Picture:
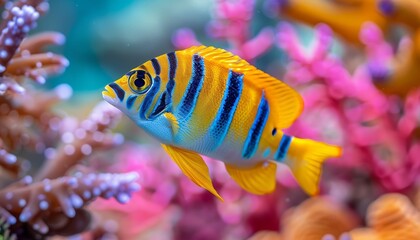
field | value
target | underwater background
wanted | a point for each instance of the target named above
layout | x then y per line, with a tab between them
73	167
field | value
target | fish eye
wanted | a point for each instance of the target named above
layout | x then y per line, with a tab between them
139	81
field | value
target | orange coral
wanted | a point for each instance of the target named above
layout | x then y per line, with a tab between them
404	77
267	235
391	217
315	218
417	199
345	16
405	65
312	220
402	11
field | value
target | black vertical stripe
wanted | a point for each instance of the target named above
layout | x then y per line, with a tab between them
254	134
195	84
224	117
118	90
130	101
164	99
156	66
172	64
283	147
147	102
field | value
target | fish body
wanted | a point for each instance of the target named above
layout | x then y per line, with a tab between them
207	101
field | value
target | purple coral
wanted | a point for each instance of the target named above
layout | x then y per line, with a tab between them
24	19
66	194
9	161
51	199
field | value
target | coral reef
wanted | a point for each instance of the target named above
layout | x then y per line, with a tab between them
67	176
168	205
45	203
314	219
345	17
348	18
365	99
391	216
40	198
404	65
232	24
4	230
329	88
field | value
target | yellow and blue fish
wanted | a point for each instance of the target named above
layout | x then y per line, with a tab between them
205	100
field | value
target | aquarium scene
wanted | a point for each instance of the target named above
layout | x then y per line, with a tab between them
210	120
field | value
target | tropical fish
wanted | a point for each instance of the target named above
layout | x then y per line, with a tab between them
205	100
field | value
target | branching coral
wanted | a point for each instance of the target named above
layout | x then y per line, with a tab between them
80	140
53	202
379	134
16	29
9	162
170	204
370	122
18	62
36	202
28	60
232	24
371	109
348	18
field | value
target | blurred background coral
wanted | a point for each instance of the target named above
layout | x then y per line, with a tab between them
355	62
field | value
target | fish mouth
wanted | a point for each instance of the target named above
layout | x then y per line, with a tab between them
109	94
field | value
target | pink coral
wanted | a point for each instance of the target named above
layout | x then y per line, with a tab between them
165	191
350	101
232	24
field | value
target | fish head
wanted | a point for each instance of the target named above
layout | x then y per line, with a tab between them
132	94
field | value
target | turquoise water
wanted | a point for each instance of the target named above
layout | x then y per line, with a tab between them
107	38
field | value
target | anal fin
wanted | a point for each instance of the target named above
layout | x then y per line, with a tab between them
259	179
193	166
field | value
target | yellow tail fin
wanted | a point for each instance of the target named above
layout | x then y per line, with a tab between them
305	158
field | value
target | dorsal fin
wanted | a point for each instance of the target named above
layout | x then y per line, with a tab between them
285	103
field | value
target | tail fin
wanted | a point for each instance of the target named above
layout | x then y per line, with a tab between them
305	158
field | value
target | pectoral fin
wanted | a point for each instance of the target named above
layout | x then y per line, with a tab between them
260	179
193	166
173	122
